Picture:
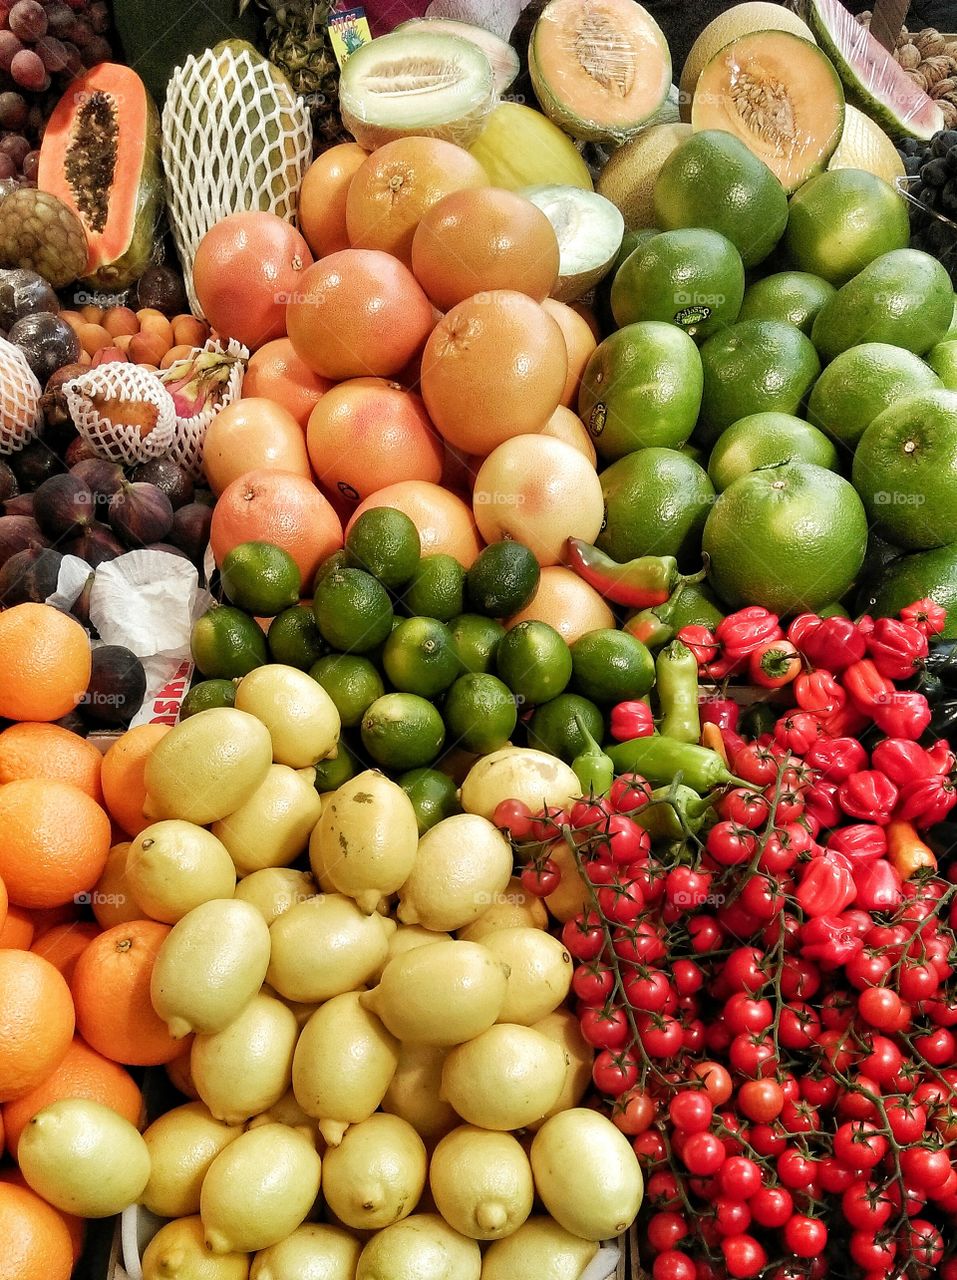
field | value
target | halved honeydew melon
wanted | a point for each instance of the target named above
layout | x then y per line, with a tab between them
402	85
589	230
781	96
504	59
600	68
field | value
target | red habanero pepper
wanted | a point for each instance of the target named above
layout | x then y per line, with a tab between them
865	686
905	714
865	624
819	692
701	641
835	643
800	625
926	801
641	583
827	885
798	731
902	760
836	758
829	940
869	795
845	722
906	852
941	757
724	712
877	886
926	615
774	664
896	648
631	720
860	843
745	630
821	803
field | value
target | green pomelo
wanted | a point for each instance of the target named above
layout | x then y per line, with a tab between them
861	383
656	503
926	573
792	296
763	439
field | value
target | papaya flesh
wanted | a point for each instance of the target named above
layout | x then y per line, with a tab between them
100	155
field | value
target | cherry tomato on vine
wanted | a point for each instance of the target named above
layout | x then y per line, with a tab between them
515	817
541	879
605	1028
614	1073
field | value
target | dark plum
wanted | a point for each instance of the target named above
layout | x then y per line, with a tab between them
117	685
24	293
161	288
168	476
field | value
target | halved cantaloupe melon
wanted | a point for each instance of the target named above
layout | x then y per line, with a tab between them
600	68
781	96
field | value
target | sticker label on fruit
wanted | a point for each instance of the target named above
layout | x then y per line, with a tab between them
348	31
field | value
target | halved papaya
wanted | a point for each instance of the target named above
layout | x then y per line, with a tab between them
780	95
101	156
600	68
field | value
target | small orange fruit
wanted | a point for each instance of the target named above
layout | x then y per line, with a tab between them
322	198
276	373
253	434
580	342
35	1243
54	842
75	1226
445	523
46	663
65	943
37	750
124	789
18	930
566	603
36	1021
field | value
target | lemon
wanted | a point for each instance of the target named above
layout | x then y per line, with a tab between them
518	773
314	1251
301	718
586	1174
182	1144
246	1067
343	1064
275	890
505	1078
408	937
210	966
482	1182
206	766
367	838
259	1189
513	907
444	994
113	901
539	1248
324	947
84	1158
287	1111
461	865
178	1252
565	1029
421	1247
539	972
273	826
377	1173
413	1092
174	866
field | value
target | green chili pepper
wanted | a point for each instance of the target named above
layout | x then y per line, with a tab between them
662	760
593	768
674	811
676	680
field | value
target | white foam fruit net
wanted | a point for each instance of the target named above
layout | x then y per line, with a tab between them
20	416
189	434
122	411
235	138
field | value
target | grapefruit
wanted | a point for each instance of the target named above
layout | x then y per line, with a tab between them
567	426
567	604
249	435
276	373
321	209
580	342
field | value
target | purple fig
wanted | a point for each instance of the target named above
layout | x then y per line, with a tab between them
17	533
21	505
63	506
102	477
79	450
190	531
29	577
8	483
35	463
168	476
140	514
81	605
117	685
168	548
95	545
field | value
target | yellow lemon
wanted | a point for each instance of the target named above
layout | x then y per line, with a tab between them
587	1174
505	1078
420	1246
482	1182
539	1248
513	907
407	937
326	946
518	773
314	1251
413	1092
375	1176
206	766
174	866
565	1029
247	1067
275	890
301	718
539	972
274	824
462	864
178	1252
182	1144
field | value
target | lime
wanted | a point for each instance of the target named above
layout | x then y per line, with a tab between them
904	298
692	278
434	796
338	560
792	296
841	220
475	640
402	731
656	503
641	387
293	638
789	537
713	180
502	580
261	578
762	439
436	589
555	726
352	609
905	469
925	573
480	713
206	694
534	661
753	367
419	657
351	681
337	769
943	360
385	543
610	665
861	383
226	643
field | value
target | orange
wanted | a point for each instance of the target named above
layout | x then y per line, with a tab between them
367	433
566	603
74	1225
111	987
4	905
35	1243
358	313
246	269
65	943
276	373
580	342
398	184
32	750
278	507
494	367
124	789
567	426
50	917
322	198
253	434
54	841
473	241
18	930
36	1021
46	663
83	1073
444	521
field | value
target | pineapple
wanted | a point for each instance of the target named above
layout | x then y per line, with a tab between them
297	36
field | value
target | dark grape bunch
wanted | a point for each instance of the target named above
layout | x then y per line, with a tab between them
932	168
43	45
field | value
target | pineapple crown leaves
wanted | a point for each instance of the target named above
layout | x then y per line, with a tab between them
294	17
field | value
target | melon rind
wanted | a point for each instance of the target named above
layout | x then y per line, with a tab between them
865	145
520	148
628	178
505	61
589	230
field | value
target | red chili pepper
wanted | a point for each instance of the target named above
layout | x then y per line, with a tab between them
798	731
827	885
896	648
865	686
845	722
877	886
836	758
701	641
926	615
740	633
774	664
724	712
860	843
904	715
829	940
801	625
941	756
903	760
733	742
926	801
835	643
819	692
821	803
870	795
640	583
631	720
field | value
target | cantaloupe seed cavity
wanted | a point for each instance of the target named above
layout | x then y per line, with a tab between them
91	159
765	107
605	52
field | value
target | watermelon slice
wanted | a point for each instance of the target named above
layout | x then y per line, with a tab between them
872	80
